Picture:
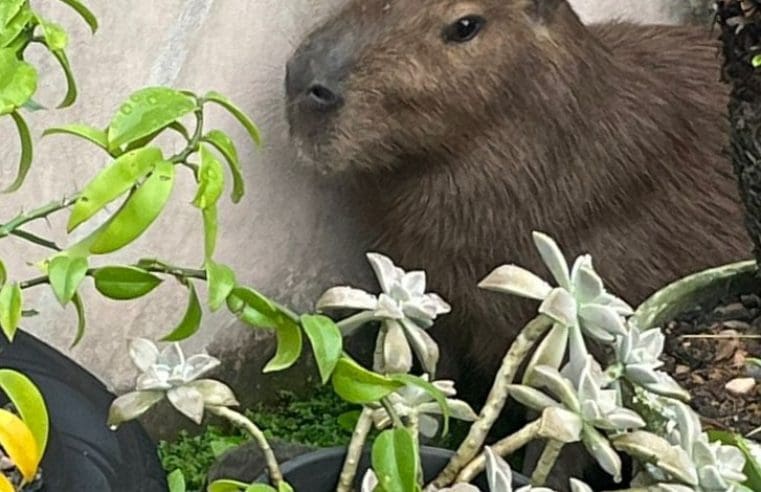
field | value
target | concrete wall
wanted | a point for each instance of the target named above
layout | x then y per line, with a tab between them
288	237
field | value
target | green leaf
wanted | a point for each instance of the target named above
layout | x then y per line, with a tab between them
247	314
112	182
146	111
289	346
226	147
25	162
356	384
8	10
12	30
756	61
752	468
211	180
283	487
56	38
395	460
65	274
11	304
71	84
348	420
263	487
229	486
124	283
221	281
210	230
191	322
18	81
3	273
138	212
326	340
244	120
94	135
29	403
247	297
84	12
433	391
81	319
176	481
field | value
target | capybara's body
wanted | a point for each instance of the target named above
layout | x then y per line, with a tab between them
609	138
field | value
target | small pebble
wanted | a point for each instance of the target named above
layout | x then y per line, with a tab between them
741	386
681	369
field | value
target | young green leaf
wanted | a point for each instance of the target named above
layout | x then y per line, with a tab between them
254	300
112	182
433	391
226	147
247	314
25	162
29	403
8	10
18	81
84	12
10	34
289	346
221	281
124	283
326	340
11	304
395	460
81	319
231	486
146	111
191	322
176	481
244	120
210	230
65	274
138	212
211	180
356	384
56	38
3	273
94	135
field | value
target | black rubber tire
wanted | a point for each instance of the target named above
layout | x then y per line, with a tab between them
83	453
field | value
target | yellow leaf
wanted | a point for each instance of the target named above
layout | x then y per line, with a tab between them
5	484
19	444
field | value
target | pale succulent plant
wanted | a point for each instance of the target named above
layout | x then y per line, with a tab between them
582	389
638	360
413	400
169	374
580	305
404	309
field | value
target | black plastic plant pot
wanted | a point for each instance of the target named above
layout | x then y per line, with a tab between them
319	471
83	454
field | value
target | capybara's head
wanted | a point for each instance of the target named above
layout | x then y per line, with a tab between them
384	81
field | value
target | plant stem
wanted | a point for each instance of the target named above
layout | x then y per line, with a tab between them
504	447
194	142
414	425
354	451
181	273
392	413
495	402
32	238
546	461
276	477
38	213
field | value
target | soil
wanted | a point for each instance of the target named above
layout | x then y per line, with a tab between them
706	348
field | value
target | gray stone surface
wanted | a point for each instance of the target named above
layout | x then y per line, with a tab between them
290	236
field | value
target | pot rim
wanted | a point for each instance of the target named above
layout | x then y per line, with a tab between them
646	313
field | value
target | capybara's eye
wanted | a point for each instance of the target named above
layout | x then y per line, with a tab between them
464	29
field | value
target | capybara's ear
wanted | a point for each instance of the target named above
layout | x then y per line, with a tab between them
543	10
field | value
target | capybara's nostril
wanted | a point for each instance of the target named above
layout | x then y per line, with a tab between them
323	97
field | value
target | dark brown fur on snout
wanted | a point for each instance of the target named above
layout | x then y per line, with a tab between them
609	138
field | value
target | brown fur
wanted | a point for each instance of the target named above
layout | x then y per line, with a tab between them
609	138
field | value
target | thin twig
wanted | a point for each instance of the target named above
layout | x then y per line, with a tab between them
504	447
546	461
354	451
180	273
389	407
717	336
32	238
495	402
38	213
240	420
